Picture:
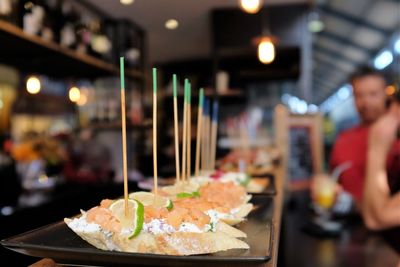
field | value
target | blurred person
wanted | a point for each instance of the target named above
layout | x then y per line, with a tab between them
381	198
10	186
88	160
351	145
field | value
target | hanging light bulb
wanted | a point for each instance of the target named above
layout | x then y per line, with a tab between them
250	6
74	94
126	2
33	85
315	24
266	50
171	24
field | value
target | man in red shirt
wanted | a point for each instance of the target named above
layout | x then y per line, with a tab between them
351	146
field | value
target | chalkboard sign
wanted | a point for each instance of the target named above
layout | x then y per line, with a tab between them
299	138
300	163
305	147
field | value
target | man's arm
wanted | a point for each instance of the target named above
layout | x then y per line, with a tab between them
380	210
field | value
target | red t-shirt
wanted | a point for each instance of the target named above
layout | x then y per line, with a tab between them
352	145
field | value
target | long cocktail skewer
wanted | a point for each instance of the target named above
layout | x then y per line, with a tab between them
189	134
123	123
176	130
199	135
155	131
214	127
184	132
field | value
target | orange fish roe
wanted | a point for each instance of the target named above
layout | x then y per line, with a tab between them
106	203
199	203
151	212
177	216
199	218
224	195
104	218
194	203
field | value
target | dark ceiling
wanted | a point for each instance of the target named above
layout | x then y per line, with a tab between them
355	31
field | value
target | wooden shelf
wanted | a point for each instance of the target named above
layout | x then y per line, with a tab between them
31	53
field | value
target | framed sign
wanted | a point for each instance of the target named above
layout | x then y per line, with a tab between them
300	140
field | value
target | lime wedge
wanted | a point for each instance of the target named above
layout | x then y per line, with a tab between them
149	199
186	194
133	220
246	181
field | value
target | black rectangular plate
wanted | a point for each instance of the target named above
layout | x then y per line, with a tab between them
58	242
270	189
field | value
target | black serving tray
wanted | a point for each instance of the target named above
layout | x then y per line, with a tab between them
58	242
270	189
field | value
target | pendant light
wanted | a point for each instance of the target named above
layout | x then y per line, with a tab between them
250	6
265	43
266	49
33	85
74	94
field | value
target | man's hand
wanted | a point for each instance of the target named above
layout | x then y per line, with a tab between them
381	209
383	133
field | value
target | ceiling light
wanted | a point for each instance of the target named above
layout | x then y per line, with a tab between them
250	6
312	108
33	85
315	23
266	50
285	98
171	24
397	46
383	60
74	94
126	2
302	107
316	26
293	101
344	92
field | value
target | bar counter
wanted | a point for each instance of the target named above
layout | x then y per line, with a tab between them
354	246
293	246
275	214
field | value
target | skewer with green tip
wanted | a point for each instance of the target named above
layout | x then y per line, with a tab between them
199	136
123	123
176	129
189	135
184	131
155	131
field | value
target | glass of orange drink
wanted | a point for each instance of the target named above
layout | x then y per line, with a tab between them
325	193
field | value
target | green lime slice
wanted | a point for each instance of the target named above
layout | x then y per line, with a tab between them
135	217
149	199
187	194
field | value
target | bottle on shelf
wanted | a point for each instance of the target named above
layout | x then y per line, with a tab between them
32	14
112	110
53	20
100	44
135	108
69	19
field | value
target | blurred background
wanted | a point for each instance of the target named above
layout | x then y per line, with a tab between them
60	122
